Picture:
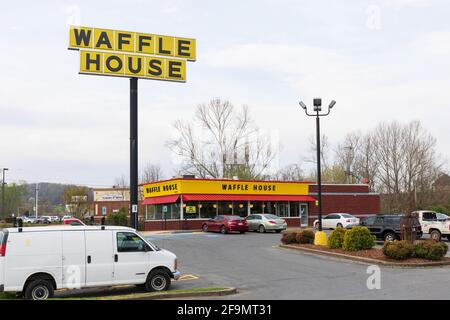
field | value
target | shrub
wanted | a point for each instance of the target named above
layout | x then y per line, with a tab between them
358	238
298	237
336	238
118	219
430	249
306	236
289	237
398	250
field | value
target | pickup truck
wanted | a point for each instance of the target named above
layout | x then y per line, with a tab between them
432	225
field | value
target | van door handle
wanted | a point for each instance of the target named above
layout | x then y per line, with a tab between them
116	257
88	259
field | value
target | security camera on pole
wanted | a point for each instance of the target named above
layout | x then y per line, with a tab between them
321	237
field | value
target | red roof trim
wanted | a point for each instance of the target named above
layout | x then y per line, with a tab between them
163	199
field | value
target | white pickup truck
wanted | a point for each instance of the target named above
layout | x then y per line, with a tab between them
432	224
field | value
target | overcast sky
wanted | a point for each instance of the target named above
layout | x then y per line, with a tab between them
381	60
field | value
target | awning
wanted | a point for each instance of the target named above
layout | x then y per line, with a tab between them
159	200
240	197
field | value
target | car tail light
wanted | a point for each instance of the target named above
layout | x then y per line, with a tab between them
2	249
272	222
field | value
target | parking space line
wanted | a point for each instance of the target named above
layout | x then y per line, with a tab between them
186	277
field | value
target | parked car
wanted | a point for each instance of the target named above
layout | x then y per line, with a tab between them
42	220
73	222
335	220
36	261
225	224
387	226
27	219
265	222
433	224
54	218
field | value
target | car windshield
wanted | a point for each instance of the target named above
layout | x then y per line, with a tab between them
347	216
270	216
233	218
442	216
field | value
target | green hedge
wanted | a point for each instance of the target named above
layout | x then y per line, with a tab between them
430	249
398	250
358	238
336	238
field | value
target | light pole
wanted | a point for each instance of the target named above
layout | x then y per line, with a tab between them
3	192
317	102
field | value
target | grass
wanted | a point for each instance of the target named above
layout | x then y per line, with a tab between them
7	296
144	294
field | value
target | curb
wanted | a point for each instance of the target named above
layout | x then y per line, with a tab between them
369	260
168	294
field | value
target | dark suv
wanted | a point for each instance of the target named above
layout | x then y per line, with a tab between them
387	226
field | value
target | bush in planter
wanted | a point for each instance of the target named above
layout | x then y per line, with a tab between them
118	219
306	237
336	238
398	250
430	249
358	238
289	237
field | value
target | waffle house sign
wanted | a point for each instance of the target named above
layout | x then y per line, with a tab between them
132	54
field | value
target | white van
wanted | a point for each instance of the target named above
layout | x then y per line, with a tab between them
37	261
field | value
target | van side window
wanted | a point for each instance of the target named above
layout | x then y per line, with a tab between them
129	242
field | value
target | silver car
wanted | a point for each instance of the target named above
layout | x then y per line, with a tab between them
265	222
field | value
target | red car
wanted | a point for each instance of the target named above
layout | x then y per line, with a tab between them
73	222
225	224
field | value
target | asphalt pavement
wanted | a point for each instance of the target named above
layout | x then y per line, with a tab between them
254	264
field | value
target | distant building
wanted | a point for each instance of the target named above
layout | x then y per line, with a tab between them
110	200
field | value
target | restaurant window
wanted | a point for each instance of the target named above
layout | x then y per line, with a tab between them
256	207
151	209
282	209
175	208
240	208
270	207
159	212
294	209
191	210
208	209
225	207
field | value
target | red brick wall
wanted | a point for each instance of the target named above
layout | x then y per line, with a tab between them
340	188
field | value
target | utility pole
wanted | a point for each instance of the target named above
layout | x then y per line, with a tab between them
3	192
36	200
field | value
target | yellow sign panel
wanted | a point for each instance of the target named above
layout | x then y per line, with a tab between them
131	65
132	42
180	186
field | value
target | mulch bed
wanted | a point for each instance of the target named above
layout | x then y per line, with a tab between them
376	254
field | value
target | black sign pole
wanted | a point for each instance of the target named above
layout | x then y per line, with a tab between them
134	153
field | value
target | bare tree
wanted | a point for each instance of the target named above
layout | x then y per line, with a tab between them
151	173
292	172
222	142
122	185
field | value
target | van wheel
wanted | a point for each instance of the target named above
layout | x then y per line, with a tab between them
157	280
435	235
39	289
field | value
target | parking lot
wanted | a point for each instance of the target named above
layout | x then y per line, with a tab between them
254	264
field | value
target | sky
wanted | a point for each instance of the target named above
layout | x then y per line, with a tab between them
381	60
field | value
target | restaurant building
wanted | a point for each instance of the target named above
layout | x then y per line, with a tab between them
186	203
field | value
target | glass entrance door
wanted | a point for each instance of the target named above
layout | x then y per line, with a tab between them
304	214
